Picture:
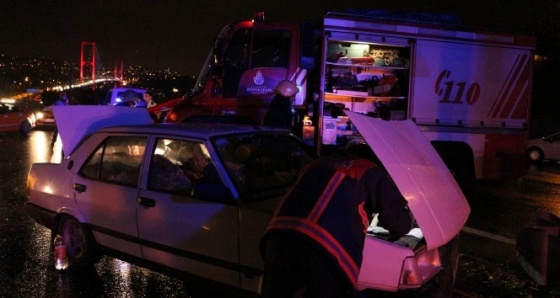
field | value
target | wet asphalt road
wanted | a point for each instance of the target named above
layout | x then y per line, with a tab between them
488	266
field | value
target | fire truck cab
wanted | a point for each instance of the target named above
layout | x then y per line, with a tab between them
236	83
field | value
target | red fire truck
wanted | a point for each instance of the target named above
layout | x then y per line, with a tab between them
468	90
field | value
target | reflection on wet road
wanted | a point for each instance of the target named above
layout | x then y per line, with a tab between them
489	266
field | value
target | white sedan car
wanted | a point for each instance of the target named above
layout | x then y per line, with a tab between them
194	200
544	148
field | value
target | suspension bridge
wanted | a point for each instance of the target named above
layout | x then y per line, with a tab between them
92	70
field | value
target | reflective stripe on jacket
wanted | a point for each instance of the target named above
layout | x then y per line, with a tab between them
327	208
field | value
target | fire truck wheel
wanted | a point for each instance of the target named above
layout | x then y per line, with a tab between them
458	157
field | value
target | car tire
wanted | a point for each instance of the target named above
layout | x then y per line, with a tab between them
535	154
25	128
80	245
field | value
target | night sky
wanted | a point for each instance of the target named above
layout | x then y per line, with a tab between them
178	34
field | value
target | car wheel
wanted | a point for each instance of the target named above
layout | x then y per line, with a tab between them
25	127
535	154
80	244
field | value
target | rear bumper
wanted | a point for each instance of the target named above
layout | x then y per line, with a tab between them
45	123
41	215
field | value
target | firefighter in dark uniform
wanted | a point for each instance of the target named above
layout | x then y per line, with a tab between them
280	111
313	244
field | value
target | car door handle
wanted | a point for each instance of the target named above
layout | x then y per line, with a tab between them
79	187
146	202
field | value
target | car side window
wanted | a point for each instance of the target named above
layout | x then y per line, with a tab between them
262	166
186	168
116	160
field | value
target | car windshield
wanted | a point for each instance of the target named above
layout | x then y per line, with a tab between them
262	165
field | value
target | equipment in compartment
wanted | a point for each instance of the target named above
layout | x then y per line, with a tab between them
367	55
362	70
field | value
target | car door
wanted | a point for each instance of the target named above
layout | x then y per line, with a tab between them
187	219
107	191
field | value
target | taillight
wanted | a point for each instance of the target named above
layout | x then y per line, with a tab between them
419	268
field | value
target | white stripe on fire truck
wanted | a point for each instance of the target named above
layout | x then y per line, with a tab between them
513	89
517	92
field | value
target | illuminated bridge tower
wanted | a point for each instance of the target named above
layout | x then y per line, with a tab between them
88	55
119	73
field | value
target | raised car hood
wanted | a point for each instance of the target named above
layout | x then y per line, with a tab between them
75	122
433	195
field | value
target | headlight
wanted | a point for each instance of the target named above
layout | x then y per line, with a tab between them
39	115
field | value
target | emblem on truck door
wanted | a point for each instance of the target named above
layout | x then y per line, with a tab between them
258	79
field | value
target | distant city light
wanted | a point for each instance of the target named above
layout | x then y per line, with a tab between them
49	75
